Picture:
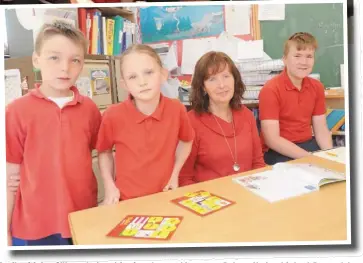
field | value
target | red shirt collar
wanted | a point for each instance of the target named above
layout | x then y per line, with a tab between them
77	96
238	118
289	85
139	116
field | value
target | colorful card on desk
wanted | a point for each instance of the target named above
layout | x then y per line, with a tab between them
202	202
146	227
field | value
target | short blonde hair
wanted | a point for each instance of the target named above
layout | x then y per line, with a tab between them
60	28
302	40
141	48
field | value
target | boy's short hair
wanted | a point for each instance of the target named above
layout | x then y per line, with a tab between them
302	40
60	28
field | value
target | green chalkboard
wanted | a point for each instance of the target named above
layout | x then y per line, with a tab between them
325	22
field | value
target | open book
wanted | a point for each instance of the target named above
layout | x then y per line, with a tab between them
287	180
336	154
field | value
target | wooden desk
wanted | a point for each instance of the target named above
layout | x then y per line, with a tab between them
334	98
318	216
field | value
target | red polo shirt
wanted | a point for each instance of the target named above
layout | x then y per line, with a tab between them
211	158
280	100
53	147
145	145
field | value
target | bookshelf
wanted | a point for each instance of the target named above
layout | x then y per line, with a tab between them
118	11
105	59
105	63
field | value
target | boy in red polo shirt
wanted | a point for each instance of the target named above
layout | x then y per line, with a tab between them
292	105
152	133
50	133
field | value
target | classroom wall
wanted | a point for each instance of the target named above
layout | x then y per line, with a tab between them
20	43
20	40
326	27
325	22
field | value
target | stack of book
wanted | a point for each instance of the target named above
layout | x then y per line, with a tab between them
107	35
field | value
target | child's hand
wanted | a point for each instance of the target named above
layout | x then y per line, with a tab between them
13	182
172	184
112	195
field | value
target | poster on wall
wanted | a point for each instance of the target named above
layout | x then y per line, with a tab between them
100	82
167	23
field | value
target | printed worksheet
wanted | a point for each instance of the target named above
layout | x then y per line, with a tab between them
146	227
202	202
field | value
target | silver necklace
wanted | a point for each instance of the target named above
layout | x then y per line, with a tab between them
235	166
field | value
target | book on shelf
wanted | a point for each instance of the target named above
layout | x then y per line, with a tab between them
107	35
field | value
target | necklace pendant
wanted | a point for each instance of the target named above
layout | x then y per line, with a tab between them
236	167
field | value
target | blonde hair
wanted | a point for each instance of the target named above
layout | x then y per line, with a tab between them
60	28
302	40
141	48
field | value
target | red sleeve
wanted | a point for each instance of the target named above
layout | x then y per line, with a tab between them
269	108
15	136
186	175
320	107
258	160
105	140
96	126
186	131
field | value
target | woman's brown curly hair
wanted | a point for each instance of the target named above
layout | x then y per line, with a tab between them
210	64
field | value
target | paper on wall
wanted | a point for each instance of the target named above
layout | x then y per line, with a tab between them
170	88
250	49
167	54
170	61
271	12
12	85
193	49
26	17
342	83
228	44
238	19
83	85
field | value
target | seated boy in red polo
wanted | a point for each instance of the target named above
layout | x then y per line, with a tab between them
292	106
50	133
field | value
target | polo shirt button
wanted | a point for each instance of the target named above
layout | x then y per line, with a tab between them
148	123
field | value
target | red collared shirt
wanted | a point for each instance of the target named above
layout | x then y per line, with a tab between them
145	145
53	147
211	157
280	100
